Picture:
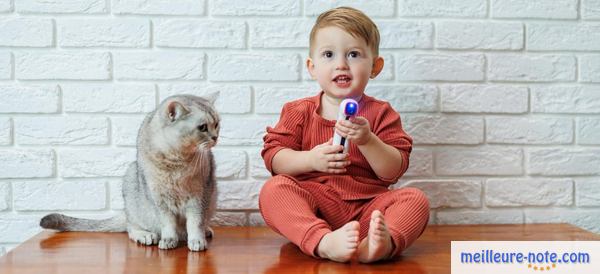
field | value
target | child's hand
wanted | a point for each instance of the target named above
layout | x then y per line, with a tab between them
326	158
357	130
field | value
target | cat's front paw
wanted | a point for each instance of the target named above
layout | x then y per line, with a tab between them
197	244
168	243
144	237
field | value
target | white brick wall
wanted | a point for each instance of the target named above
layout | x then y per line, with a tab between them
502	98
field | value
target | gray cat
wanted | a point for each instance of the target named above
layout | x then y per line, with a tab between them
170	191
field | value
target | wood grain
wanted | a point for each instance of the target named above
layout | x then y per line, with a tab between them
250	250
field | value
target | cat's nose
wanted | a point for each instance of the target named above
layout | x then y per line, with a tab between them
214	138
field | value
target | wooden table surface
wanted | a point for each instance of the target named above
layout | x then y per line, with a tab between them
250	250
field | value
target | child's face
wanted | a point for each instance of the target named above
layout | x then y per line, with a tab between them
341	63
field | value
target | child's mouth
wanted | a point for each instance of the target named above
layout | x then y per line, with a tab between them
342	81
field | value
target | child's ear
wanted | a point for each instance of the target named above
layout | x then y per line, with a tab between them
377	67
311	68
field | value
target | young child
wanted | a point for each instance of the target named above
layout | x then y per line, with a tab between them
332	204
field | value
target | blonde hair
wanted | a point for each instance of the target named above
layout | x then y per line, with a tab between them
351	20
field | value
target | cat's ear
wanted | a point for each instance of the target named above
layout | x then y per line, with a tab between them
176	110
212	97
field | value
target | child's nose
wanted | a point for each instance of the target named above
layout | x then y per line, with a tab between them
341	64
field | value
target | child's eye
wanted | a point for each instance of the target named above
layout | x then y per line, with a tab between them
353	54
328	54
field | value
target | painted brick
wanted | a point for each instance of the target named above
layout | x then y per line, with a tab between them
109	98
187	33
405	34
407	98
590	9
420	163
90	32
565	99
61	130
231	164
26	32
62	66
229	219
270	100
531	68
437	129
248	132
556	9
587	191
479	161
588	131
563	36
374	8
528	192
5	196
61	6
442	67
29	99
125	129
20	163
584	218
450	193
589	68
280	33
18	228
479	35
264	8
564	161
232	98
238	194
159	66
116	201
43	195
529	130
5	131
172	7
257	165
6	66
96	162
6	6
432	8
256	219
484	98
254	67
495	216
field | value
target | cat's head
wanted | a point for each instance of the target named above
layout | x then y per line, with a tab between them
190	122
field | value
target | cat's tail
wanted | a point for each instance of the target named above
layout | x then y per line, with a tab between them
62	222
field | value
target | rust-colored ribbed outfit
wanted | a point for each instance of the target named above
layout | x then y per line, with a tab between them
306	207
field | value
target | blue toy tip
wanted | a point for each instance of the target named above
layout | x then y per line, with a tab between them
351	108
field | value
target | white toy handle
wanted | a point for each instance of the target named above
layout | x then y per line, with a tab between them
348	108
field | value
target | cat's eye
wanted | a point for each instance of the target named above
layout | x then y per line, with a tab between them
202	127
216	125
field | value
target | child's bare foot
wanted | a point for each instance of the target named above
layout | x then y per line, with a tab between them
378	243
341	244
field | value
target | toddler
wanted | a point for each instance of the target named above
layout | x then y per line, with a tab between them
331	204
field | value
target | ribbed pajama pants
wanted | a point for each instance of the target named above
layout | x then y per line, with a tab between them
304	212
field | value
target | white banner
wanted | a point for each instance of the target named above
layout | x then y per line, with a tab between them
553	257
